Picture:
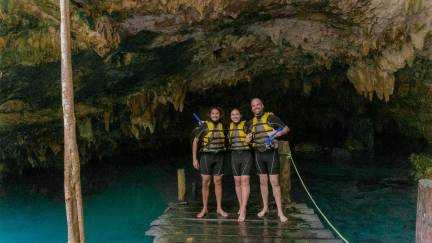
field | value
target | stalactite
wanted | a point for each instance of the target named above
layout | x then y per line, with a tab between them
144	104
85	129
41	44
18	117
107	106
142	57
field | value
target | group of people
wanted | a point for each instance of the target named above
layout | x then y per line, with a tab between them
248	142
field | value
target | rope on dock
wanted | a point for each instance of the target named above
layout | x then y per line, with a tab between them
314	203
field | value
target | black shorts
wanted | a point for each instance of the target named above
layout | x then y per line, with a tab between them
241	162
267	162
211	163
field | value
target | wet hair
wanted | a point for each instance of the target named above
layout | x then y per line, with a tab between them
215	108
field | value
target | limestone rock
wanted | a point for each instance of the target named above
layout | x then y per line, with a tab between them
136	62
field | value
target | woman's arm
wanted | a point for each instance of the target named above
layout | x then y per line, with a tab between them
248	139
194	153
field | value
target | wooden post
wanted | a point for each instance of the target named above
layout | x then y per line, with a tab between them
424	212
285	173
181	179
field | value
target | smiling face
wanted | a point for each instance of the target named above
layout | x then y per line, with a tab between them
235	116
215	115
257	107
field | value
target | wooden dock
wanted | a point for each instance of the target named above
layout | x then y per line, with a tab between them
178	223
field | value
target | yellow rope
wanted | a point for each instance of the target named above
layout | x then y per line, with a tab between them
313	201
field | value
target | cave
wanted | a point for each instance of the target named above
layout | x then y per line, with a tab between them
351	79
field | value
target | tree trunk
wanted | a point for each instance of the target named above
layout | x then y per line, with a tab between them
424	212
72	182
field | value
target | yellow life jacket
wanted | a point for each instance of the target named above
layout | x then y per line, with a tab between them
237	136
260	128
214	140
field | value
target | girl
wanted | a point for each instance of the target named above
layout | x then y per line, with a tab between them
212	137
241	160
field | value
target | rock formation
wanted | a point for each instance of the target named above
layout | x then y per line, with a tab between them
137	61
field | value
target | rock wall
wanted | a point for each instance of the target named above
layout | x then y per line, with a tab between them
138	64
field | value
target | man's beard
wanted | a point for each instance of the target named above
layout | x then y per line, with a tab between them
258	113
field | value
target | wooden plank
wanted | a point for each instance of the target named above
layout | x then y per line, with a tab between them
233	216
240	239
244	231
288	210
233	207
237	226
298	205
179	224
200	222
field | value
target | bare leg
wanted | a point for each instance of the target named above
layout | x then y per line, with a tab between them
264	194
206	179
274	180
238	189
245	196
218	191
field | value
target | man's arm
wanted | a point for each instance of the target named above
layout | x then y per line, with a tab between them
194	153
275	121
284	131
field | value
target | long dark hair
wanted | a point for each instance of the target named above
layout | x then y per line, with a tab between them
215	108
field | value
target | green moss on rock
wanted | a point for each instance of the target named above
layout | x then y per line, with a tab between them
421	165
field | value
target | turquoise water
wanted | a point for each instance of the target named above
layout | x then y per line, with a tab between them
367	202
121	212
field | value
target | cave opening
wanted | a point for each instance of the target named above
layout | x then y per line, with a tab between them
325	113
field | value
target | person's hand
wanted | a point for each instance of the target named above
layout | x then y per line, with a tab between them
270	136
195	164
274	133
271	113
248	138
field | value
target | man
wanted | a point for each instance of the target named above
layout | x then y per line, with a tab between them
263	125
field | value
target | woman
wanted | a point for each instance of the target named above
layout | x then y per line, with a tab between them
212	137
241	160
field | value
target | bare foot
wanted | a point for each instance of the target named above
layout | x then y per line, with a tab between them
202	213
242	216
282	218
238	212
222	213
263	212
